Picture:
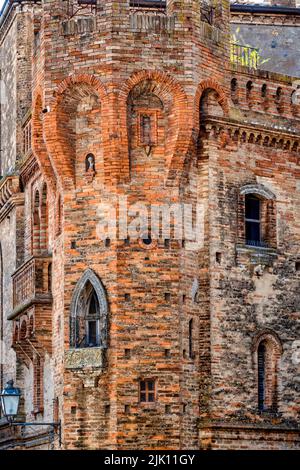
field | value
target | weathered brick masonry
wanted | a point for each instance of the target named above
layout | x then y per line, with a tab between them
143	103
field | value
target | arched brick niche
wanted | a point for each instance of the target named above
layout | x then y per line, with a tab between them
74	127
267	351
257	224
154	110
210	99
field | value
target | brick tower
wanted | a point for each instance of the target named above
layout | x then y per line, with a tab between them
155	342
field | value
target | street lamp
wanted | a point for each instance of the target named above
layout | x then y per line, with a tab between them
10	400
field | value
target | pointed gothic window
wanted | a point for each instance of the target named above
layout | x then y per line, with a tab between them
88	326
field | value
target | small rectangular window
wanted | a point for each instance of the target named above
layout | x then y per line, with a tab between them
147	391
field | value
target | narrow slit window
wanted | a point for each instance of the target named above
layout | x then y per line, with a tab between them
146	129
191	353
261	376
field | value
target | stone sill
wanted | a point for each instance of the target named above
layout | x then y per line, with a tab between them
255	255
256	249
85	358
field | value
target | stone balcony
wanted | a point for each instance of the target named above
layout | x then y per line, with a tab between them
86	364
32	305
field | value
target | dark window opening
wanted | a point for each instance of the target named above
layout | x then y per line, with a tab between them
147	391
146	130
264	90
147	241
261	376
253	221
191	353
92	334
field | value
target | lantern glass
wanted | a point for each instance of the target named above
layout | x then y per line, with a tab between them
10	398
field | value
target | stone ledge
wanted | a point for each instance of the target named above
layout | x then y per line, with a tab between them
255	255
85	358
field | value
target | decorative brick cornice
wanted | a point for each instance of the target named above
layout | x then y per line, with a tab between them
226	131
264	19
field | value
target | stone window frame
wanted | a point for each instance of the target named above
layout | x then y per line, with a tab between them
268	215
147	381
274	350
90	276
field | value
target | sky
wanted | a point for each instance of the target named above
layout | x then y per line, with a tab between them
1	3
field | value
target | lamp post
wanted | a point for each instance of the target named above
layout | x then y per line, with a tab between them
10	400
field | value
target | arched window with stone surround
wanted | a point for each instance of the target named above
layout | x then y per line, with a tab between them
89	313
267	353
257	224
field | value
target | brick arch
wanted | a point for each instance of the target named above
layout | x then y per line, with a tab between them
209	84
267	375
58	147
258	189
38	142
267	335
86	78
180	142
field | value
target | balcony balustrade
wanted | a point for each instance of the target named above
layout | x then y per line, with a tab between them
244	55
32	284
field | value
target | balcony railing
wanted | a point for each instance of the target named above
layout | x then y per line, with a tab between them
244	55
32	282
257	244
